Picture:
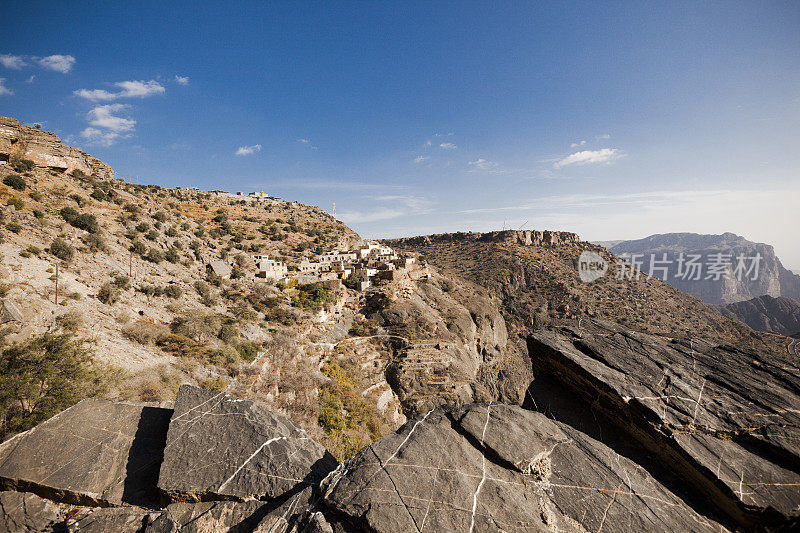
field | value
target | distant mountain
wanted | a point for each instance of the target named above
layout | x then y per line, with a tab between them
765	313
670	256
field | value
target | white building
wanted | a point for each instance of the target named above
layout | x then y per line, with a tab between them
333	257
269	268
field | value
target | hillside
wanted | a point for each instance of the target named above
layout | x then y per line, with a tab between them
135	289
772	279
765	313
538	285
464	381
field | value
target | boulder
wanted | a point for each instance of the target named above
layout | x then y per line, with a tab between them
221	447
725	420
23	511
95	453
498	468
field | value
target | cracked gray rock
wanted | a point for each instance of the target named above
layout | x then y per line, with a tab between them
498	468
219	447
23	511
95	453
726	420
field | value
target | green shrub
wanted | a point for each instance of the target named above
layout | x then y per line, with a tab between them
41	377
146	332
23	165
154	255
108	294
38	214
84	221
71	320
345	417
172	255
138	247
248	351
18	204
313	296
15	181
62	249
14	227
173	291
94	242
122	282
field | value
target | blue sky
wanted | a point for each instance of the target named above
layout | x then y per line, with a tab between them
611	119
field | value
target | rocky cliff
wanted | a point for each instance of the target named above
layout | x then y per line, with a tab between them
45	149
765	313
521	237
657	251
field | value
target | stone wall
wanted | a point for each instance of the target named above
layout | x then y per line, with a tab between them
46	150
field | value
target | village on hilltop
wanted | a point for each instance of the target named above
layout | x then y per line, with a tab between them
357	267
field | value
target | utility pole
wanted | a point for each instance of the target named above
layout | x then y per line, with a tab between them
56	283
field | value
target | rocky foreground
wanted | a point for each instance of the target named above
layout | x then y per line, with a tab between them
620	431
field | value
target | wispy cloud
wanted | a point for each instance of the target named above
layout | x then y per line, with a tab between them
308	142
128	89
248	150
586	157
3	89
603	136
448	146
397	206
31	78
182	80
57	62
13	62
484	165
106	126
421	159
577	144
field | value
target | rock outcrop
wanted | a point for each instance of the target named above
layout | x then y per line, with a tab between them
726	420
521	237
772	278
219	447
453	347
765	313
46	150
500	468
94	453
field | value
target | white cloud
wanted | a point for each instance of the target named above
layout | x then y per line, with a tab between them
306	141
3	89
106	127
10	61
604	136
248	150
103	138
59	63
420	159
129	89
182	80
30	80
448	146
575	145
485	165
140	88
604	155
103	116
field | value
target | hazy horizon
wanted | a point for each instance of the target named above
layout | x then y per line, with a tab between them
613	121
